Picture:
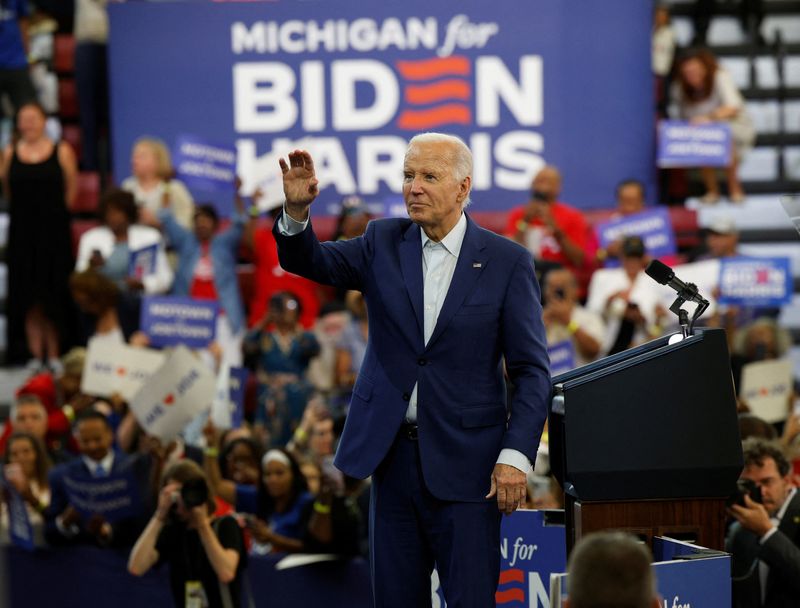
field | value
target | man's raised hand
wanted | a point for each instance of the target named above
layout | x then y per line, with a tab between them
300	184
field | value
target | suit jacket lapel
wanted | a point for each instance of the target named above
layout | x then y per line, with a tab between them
411	267
471	263
788	526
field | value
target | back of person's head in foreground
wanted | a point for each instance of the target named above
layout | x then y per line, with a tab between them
610	570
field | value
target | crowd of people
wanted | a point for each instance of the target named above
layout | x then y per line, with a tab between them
269	485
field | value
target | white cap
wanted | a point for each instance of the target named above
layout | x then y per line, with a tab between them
723	224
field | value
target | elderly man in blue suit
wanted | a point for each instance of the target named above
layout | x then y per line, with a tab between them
448	304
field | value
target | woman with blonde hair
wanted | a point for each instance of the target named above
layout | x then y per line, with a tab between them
152	183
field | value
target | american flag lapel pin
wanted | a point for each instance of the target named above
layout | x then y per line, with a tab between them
476	264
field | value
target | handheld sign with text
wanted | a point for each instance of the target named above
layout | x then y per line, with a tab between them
118	368
763	282
20	530
180	390
227	412
171	320
115	497
562	357
142	262
681	144
654	226
204	165
766	387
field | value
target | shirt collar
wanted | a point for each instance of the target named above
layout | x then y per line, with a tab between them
454	239
782	511
107	463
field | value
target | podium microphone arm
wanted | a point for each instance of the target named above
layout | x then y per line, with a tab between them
687	292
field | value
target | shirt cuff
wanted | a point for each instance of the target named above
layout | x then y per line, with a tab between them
290	226
514	458
768	535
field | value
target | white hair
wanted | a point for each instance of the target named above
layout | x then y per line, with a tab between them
462	155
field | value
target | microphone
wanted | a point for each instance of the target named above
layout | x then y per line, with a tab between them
661	273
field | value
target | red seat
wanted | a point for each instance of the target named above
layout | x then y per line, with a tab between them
78	228
67	99
88	196
72	135
64	53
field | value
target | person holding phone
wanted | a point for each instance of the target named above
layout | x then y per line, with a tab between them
206	556
25	469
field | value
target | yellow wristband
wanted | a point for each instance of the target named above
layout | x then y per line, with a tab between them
320	508
573	326
69	412
211	452
300	435
522	226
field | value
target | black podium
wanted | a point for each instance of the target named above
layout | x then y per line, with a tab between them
648	441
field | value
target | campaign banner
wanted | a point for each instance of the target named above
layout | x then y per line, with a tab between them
531	549
227	411
562	357
755	282
142	262
653	226
115	496
171	320
118	368
358	80
180	390
203	165
681	144
766	387
20	530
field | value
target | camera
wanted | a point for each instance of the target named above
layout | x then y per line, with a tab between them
194	493
744	487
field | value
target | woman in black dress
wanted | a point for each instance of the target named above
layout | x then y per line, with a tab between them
40	182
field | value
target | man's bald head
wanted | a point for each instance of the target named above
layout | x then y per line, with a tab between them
547	184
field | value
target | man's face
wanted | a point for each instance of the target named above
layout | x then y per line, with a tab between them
630	199
774	487
547	182
432	195
31	418
94	439
721	245
204	227
321	442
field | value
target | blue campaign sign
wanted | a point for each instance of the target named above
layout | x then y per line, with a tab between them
114	497
562	357
20	530
531	549
238	383
203	165
353	81
142	262
171	320
654	226
681	144
699	582
759	282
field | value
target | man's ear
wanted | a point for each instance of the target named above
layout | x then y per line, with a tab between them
464	186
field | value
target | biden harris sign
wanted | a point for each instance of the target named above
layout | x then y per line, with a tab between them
526	85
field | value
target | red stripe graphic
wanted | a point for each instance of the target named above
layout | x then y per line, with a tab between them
451	113
510	595
439	91
427	69
512	576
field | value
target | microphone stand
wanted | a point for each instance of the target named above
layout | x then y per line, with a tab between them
688	293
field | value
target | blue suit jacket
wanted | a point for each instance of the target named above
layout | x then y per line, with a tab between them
492	311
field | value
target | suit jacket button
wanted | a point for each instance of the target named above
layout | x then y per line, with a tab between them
422	362
406	397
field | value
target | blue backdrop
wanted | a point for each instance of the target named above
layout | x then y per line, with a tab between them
538	81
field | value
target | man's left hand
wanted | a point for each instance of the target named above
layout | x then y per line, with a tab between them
753	516
509	484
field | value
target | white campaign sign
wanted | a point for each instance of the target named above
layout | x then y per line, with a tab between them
180	390
118	368
766	386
